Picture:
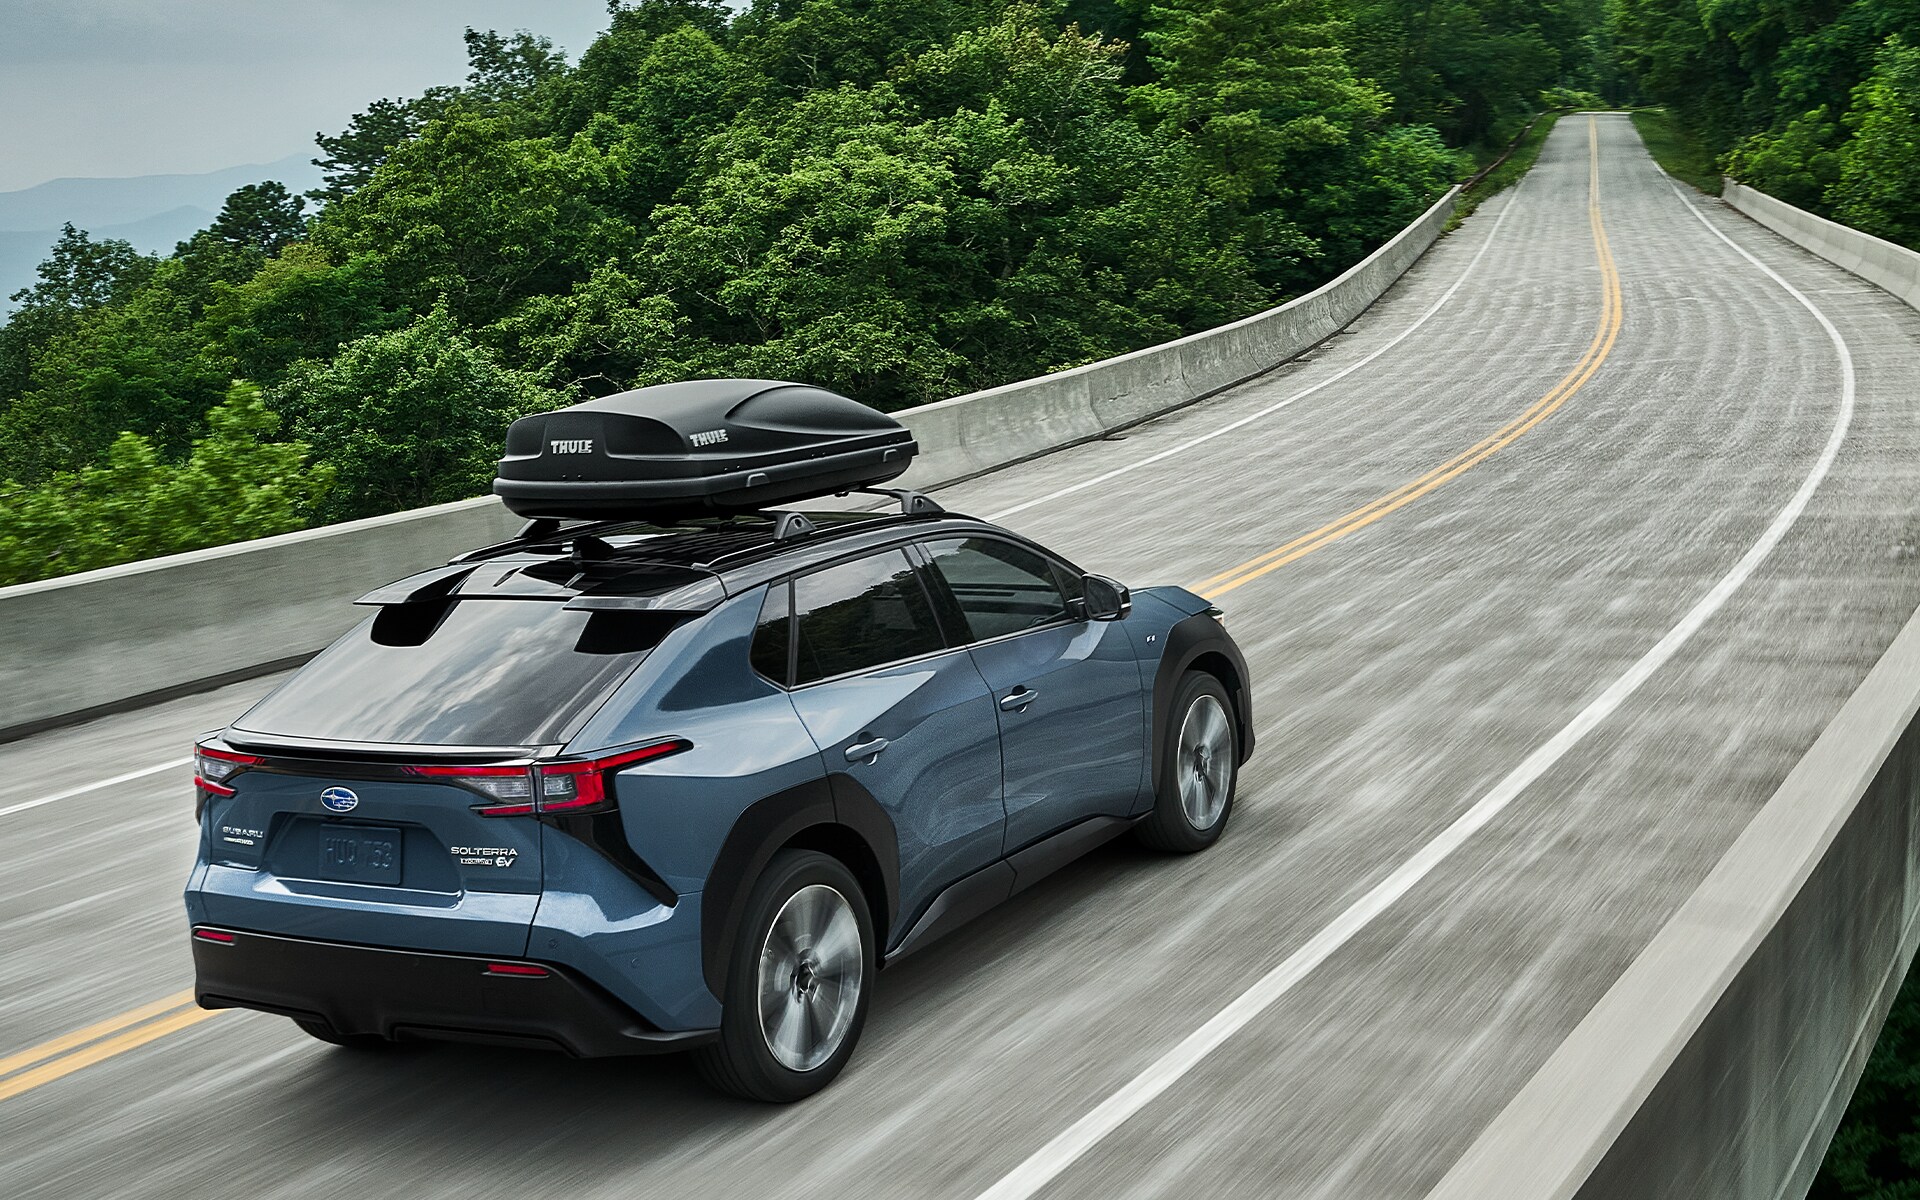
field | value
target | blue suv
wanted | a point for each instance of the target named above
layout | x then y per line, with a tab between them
645	785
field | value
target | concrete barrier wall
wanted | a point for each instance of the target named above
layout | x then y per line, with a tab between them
125	635
1893	267
1721	1062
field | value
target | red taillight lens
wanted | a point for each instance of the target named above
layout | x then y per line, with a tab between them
510	788
212	768
576	787
556	787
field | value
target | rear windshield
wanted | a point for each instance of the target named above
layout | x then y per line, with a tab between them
466	673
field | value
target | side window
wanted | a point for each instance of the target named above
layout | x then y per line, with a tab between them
1002	588
773	636
859	615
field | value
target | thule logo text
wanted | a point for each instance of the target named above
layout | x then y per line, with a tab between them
571	446
709	437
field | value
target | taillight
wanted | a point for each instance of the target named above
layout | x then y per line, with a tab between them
548	787
576	787
212	768
510	788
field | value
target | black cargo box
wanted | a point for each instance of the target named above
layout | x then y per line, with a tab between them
707	446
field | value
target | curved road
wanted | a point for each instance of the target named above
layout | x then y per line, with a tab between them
1549	568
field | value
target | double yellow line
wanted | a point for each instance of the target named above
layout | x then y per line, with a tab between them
1367	514
82	1048
70	1052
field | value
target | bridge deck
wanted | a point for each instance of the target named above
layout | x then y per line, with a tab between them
1424	644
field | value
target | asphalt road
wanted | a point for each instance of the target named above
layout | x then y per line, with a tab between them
1511	710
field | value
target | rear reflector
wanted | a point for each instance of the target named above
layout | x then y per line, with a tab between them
214	935
523	970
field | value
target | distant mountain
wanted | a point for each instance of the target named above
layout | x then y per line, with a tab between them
92	204
152	211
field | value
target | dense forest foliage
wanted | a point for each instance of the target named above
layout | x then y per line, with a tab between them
1814	101
1875	1153
900	199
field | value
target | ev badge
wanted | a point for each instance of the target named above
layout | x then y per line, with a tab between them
339	799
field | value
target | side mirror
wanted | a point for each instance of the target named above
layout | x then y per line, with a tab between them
1107	600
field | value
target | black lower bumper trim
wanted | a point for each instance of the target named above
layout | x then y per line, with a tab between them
358	990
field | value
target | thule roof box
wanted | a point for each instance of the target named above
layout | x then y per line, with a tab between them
704	447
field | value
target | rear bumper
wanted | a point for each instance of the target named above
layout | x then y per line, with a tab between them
414	994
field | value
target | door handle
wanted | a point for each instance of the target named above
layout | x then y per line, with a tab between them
1018	699
867	751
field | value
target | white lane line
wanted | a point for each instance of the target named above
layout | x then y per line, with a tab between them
84	788
1269	410
1054	1157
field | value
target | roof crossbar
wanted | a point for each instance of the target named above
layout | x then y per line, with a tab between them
912	503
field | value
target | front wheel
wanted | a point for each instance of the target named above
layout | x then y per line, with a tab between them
797	983
1199	766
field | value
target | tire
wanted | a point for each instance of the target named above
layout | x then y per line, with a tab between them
1199	769
352	1041
798	982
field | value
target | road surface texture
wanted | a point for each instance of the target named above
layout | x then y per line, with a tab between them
1548	569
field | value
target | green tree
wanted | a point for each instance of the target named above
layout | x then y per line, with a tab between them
77	276
502	69
1467	67
261	217
354	154
235	484
903	199
606	335
1876	1151
299	305
407	418
1879	186
143	364
473	212
685	87
1798	163
809	45
1263	86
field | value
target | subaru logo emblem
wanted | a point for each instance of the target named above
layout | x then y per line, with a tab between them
339	799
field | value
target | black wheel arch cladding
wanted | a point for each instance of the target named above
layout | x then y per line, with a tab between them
814	814
1200	642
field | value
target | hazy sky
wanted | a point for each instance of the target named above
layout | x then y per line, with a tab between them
141	87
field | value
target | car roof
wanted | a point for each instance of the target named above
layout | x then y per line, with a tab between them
689	567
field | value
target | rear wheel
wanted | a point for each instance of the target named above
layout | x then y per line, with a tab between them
1199	766
352	1041
797	982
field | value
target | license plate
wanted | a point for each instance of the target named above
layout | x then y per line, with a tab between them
360	854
